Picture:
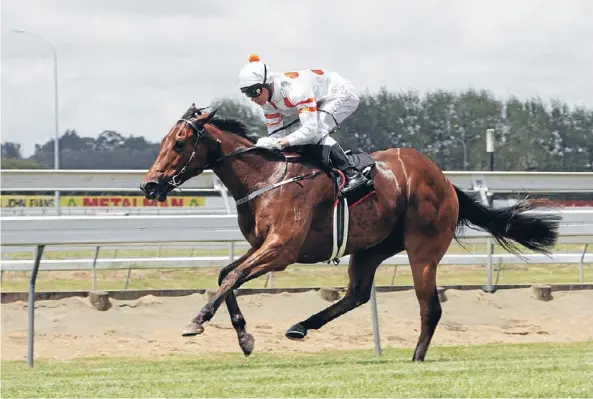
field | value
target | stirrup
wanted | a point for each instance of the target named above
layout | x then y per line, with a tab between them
348	188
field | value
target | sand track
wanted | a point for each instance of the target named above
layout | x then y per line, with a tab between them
70	328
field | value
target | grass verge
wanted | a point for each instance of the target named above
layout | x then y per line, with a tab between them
521	370
294	276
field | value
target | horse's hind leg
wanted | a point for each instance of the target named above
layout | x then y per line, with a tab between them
361	273
425	252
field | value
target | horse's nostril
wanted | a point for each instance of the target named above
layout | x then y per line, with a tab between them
149	187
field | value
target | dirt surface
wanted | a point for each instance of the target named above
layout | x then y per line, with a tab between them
72	328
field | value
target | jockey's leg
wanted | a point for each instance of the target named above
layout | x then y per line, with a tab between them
331	114
354	179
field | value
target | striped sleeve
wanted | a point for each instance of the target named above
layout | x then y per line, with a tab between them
306	105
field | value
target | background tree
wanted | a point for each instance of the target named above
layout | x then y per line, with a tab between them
447	126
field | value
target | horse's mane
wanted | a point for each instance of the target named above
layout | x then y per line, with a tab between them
228	124
234	126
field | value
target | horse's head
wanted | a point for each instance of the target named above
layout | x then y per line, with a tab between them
185	152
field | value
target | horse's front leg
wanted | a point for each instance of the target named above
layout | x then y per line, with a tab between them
273	255
245	339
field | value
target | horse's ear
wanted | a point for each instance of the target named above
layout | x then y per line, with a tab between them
197	111
191	111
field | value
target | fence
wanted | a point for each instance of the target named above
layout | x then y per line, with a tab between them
576	228
129	180
208	185
113	181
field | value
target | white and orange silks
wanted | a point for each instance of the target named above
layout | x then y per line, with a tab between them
319	97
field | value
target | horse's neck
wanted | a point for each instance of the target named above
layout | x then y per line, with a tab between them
244	173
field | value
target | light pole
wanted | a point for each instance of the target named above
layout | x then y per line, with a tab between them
57	130
490	150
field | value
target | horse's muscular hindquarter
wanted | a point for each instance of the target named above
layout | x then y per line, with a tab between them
429	228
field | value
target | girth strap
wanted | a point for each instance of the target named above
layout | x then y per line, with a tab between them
275	185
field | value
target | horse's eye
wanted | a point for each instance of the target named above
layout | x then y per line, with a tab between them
179	146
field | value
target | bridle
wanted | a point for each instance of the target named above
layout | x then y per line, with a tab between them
200	132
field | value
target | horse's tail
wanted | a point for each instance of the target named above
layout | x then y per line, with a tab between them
537	232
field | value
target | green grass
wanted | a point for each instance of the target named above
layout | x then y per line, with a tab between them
525	370
150	251
294	276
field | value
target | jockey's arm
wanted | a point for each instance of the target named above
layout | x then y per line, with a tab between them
274	121
306	105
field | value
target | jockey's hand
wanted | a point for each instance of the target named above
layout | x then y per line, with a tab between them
270	143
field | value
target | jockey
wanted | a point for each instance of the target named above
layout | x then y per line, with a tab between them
320	98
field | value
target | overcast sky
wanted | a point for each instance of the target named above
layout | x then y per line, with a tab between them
134	66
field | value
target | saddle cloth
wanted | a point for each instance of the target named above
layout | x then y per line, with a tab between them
343	204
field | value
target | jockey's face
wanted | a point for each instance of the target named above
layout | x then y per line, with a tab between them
258	94
262	98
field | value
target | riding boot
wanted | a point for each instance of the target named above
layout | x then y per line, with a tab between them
354	179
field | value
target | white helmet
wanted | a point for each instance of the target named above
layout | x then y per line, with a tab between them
254	75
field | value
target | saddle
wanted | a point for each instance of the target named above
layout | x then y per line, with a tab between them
311	155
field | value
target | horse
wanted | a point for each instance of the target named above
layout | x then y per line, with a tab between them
286	208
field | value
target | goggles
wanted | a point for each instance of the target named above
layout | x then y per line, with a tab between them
253	91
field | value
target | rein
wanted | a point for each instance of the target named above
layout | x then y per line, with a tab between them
242	150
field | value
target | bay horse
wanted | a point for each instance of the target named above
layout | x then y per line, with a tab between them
285	207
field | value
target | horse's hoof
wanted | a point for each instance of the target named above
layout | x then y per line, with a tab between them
297	332
246	342
192	329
